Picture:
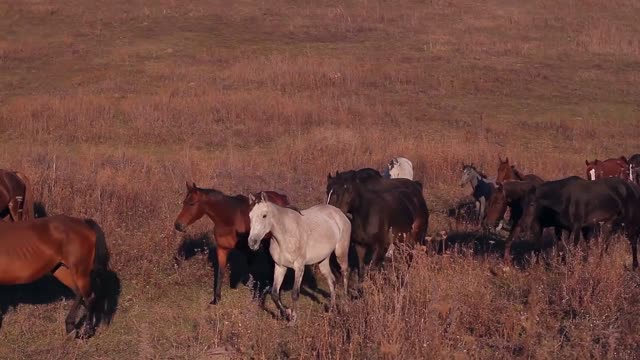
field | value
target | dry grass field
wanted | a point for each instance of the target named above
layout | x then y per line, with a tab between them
110	107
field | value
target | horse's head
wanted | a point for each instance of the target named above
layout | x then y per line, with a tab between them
592	168
496	208
261	219
504	170
467	174
332	181
192	208
393	169
342	196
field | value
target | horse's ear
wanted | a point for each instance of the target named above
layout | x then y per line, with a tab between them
506	159
337	173
252	198
586	162
189	188
329	176
263	196
499	158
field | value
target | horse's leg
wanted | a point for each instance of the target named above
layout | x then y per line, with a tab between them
483	206
587	233
82	277
278	276
605	235
342	256
223	255
64	276
325	269
561	245
295	294
576	232
14	208
361	252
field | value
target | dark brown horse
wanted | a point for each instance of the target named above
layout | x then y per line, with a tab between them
16	198
578	206
608	168
230	215
71	249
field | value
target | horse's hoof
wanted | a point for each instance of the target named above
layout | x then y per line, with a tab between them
290	315
69	328
215	301
86	333
355	294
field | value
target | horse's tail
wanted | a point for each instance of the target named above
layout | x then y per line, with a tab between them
105	284
27	202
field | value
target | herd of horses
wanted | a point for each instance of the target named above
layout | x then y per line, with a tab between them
368	214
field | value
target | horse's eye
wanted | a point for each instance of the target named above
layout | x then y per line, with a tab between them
264	216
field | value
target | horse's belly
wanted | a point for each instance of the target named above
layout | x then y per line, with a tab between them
316	252
14	272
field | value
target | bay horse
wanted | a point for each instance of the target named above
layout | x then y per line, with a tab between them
578	206
300	238
510	194
614	167
16	196
230	216
507	171
75	252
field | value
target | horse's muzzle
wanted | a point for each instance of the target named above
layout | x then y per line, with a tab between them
179	226
254	244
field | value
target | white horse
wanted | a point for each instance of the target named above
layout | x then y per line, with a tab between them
399	167
300	238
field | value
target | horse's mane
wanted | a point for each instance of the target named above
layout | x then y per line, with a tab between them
210	191
290	207
517	172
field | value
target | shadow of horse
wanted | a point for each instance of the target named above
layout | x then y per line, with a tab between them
49	290
483	244
253	269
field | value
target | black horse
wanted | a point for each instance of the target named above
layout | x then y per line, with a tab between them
578	206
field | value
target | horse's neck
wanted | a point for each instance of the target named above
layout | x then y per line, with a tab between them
215	207
475	181
285	222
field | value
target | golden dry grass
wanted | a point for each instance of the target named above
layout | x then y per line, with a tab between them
110	107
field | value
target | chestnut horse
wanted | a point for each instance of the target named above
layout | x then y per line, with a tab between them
506	171
230	215
615	167
71	249
16	198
